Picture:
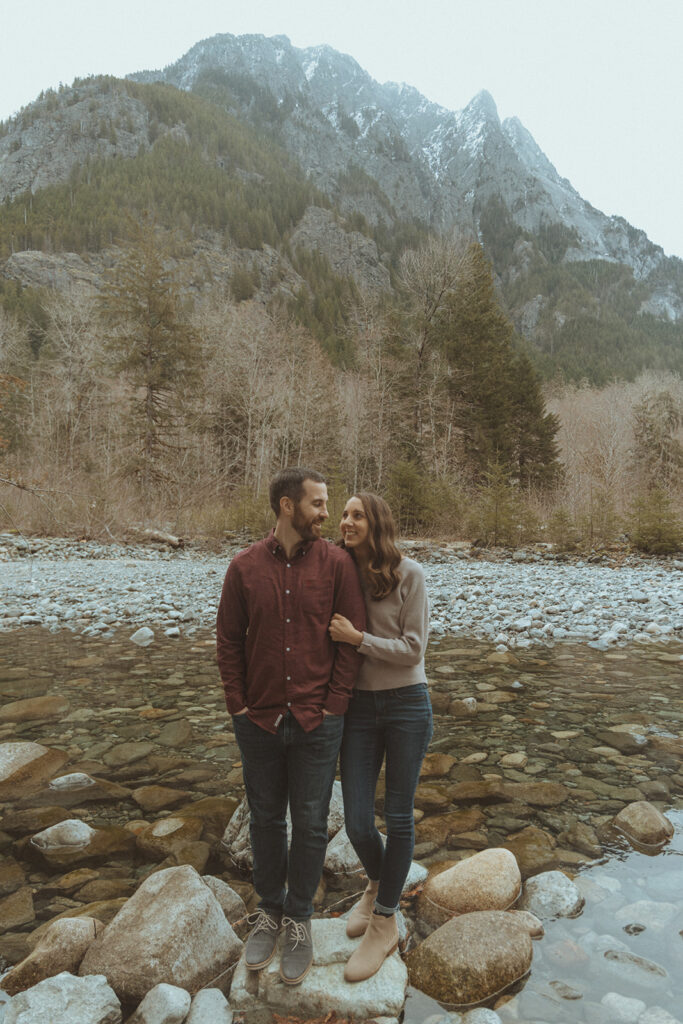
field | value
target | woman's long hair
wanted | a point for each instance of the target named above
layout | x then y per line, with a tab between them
382	576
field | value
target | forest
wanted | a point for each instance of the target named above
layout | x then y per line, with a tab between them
142	404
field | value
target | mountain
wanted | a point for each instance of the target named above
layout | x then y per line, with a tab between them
591	293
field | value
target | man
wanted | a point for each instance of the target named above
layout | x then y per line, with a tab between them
287	687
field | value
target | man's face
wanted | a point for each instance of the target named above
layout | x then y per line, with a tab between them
311	511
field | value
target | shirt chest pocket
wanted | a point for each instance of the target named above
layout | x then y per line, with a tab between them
316	598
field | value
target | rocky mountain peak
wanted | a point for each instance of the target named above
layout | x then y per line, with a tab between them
482	108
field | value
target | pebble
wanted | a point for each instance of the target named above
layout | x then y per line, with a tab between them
94	588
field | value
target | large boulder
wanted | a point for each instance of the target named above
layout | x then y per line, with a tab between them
643	823
25	766
172	930
341	858
383	995
232	903
66	1000
236	842
61	948
489	880
472	958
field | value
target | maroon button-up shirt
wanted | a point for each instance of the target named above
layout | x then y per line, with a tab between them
274	652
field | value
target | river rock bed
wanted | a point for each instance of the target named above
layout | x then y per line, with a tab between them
515	601
536	753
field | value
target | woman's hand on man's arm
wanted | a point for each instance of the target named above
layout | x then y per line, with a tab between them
342	631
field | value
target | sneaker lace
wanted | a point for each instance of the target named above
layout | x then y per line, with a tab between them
262	922
296	931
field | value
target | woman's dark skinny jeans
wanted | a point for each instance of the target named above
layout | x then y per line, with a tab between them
396	723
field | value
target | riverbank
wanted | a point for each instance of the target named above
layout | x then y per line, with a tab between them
511	599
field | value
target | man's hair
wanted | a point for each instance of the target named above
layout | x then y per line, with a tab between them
289	483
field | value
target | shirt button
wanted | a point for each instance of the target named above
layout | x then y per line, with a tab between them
288	565
288	620
288	648
286	591
289	703
288	678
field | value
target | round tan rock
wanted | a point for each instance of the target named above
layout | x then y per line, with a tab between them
471	958
516	760
436	765
489	880
642	822
156	798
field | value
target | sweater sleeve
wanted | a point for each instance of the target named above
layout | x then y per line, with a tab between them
408	648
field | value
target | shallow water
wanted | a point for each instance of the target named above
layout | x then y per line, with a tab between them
551	707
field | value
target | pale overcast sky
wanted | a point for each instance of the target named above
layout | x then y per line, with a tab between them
598	83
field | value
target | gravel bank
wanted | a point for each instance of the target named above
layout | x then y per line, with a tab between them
524	599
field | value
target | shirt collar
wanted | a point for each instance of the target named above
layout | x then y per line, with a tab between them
276	548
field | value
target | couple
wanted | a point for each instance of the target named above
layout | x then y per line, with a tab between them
304	676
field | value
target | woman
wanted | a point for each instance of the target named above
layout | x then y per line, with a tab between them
389	716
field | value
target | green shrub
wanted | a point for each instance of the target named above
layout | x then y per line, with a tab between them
562	531
654	525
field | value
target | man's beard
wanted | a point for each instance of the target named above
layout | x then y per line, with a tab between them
305	527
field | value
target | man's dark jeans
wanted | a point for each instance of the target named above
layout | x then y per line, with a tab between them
397	723
297	766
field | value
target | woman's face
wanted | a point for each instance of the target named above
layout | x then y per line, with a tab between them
354	526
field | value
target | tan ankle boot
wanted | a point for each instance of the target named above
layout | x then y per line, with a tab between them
359	918
379	942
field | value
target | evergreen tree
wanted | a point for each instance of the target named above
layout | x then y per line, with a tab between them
655	527
657	453
153	347
497	508
500	411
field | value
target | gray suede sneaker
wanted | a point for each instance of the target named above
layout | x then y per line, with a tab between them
297	951
262	941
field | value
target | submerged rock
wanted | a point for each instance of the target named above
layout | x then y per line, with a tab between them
551	894
642	822
73	841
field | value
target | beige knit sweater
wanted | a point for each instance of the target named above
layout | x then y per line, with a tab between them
395	641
